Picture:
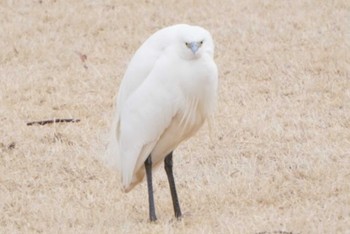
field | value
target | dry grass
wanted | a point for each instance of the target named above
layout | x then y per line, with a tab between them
279	163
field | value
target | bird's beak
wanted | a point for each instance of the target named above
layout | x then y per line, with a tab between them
194	46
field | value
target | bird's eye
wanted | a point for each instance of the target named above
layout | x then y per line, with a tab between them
201	42
187	44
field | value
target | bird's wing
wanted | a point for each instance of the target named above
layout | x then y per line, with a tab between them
146	114
137	72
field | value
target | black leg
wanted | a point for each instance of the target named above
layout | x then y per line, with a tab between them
168	165
152	211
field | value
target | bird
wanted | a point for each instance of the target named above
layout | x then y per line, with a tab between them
168	91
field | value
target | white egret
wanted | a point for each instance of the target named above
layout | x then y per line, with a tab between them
168	91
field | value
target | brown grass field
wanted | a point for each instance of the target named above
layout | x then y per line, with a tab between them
279	158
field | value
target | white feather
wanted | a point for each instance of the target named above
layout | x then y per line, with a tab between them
165	96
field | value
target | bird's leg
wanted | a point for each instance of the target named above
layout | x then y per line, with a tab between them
148	167
168	165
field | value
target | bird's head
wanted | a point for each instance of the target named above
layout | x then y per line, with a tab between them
193	42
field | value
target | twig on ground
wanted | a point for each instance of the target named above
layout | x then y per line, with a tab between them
51	121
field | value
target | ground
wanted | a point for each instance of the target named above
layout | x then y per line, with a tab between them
278	160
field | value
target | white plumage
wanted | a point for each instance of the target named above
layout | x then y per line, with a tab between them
168	91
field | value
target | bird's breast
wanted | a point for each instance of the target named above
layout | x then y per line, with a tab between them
183	125
194	101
